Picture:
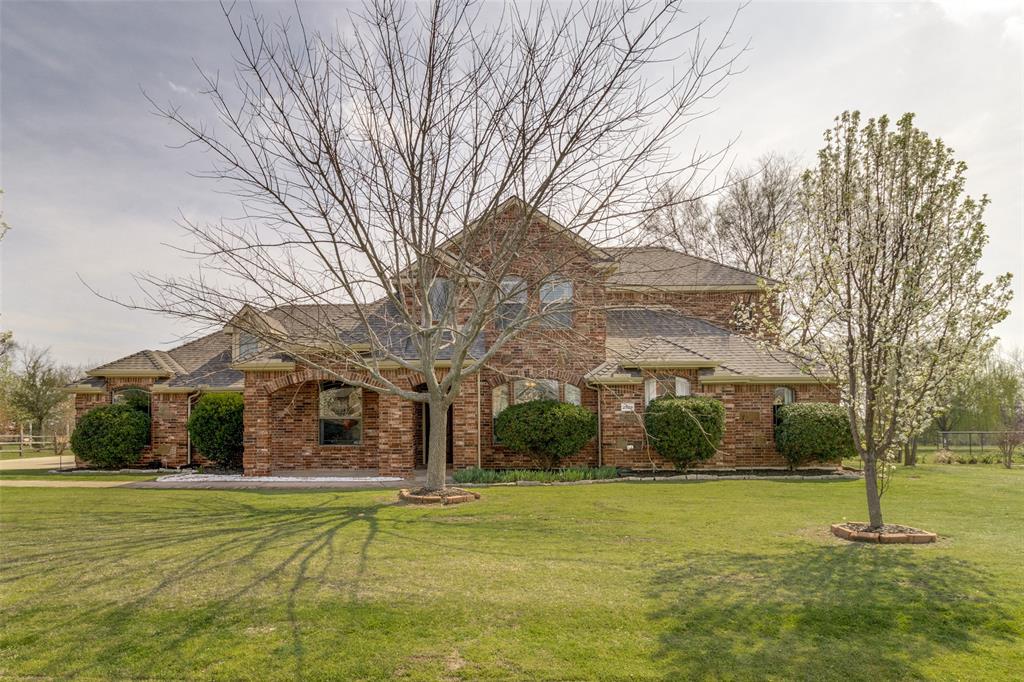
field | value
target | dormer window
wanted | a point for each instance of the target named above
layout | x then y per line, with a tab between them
248	345
556	302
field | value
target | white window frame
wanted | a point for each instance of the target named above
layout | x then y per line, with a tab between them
681	389
557	312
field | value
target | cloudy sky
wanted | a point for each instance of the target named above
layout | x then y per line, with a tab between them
93	186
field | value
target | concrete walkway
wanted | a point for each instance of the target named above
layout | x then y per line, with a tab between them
53	482
48	462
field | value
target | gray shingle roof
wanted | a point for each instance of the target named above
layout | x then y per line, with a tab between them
660	336
657	267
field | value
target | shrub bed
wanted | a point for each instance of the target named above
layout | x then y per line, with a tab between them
546	430
111	436
475	475
808	432
685	430
215	427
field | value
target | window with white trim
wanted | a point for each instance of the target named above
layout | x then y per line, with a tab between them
341	413
511	302
782	395
658	387
556	302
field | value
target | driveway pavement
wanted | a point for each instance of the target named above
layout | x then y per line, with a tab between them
48	462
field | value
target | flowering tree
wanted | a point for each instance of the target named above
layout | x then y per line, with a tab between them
889	297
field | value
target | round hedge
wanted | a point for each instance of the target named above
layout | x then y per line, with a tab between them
111	436
808	432
547	430
215	427
685	430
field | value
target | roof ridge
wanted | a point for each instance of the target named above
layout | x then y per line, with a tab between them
686	348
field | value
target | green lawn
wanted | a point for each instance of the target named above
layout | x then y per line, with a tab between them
725	579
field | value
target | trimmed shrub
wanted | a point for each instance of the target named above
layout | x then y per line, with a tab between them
111	436
808	432
216	427
685	430
546	430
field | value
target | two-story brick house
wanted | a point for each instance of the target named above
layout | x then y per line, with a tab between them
642	322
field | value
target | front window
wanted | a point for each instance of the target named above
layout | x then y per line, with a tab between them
499	401
657	387
781	396
556	302
572	394
341	414
248	344
134	397
512	303
535	389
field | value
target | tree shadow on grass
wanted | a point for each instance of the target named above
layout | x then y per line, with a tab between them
289	547
817	613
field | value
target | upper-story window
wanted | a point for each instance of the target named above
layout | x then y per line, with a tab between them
440	298
556	302
248	344
657	387
512	301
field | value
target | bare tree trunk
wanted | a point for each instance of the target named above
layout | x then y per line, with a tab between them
437	444
871	485
910	456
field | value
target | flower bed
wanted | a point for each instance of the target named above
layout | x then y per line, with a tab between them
887	534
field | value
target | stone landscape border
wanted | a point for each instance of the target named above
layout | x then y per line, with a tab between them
406	495
920	537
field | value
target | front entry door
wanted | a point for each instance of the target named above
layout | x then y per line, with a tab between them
424	446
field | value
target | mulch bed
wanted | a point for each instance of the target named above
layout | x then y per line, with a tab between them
890	533
445	496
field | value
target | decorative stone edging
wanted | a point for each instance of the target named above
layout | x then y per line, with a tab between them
406	496
919	538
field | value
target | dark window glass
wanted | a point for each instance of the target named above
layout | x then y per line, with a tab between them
341	414
440	298
512	301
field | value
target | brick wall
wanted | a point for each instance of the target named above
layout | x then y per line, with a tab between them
748	441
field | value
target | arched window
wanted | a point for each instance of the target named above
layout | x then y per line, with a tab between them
783	395
556	302
525	390
133	396
440	298
341	413
512	301
656	387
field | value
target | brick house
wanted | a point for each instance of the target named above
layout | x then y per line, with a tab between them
637	323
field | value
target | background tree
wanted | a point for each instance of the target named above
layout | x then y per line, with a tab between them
35	389
372	163
889	297
746	226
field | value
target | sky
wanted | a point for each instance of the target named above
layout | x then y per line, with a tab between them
94	183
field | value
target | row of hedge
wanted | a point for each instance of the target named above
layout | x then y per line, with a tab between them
113	436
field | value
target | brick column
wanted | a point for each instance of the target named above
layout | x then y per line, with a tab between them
170	432
256	422
396	455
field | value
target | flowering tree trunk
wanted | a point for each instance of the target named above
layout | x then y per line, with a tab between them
889	299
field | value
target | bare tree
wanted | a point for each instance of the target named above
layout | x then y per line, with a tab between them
890	299
6	337
746	226
375	168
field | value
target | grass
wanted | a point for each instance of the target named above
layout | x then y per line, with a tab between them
29	452
474	475
642	581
